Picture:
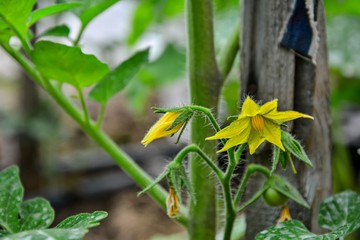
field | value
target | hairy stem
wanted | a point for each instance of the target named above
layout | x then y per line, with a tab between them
226	184
208	114
195	149
252	168
205	82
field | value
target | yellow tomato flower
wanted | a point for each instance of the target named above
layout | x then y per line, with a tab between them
256	124
172	204
159	129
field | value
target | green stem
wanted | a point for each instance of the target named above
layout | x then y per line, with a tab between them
119	156
226	183
256	196
252	168
205	83
195	149
239	152
77	40
101	115
83	105
228	53
208	114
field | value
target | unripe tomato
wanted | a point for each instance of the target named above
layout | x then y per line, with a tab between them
274	198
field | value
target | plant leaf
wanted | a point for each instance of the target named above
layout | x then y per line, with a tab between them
90	13
287	189
68	64
293	229
83	220
36	214
168	67
50	10
58	31
341	211
143	17
118	79
11	194
16	13
293	146
5	33
49	234
149	12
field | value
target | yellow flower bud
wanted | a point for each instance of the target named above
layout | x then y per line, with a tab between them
159	129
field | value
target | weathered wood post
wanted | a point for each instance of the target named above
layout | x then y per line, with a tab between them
269	71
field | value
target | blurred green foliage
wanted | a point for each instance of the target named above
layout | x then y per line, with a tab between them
343	34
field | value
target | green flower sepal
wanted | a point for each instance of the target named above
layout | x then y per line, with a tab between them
177	180
292	147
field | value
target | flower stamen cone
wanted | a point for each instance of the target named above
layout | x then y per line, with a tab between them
172	204
160	128
256	124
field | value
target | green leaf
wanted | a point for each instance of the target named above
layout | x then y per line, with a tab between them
11	194
68	64
118	79
341	213
49	234
169	67
293	229
93	11
16	13
36	214
83	220
287	189
50	10
294	147
5	33
143	17
58	31
149	12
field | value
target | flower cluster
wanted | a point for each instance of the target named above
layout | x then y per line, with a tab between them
254	125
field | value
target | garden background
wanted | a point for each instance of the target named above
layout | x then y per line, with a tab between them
59	162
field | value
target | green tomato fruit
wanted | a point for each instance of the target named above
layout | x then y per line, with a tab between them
274	198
